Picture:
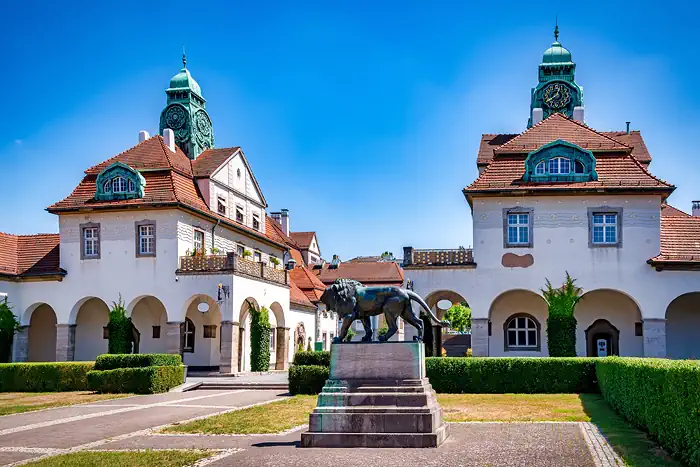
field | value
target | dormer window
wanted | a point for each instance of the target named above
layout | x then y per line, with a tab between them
118	185
119	181
560	161
559	166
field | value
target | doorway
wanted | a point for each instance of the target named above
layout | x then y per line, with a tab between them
602	339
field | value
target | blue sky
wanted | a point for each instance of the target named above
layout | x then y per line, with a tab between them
362	118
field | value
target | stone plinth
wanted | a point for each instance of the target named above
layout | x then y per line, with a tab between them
377	396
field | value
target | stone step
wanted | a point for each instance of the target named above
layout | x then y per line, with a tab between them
225	385
375	440
376	422
402	399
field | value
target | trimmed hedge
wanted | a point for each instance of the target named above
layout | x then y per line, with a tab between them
114	361
142	380
561	336
313	358
499	375
307	379
44	377
660	396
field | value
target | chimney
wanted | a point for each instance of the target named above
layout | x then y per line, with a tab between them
335	262
628	127
696	208
578	114
284	221
537	114
143	136
407	255
169	139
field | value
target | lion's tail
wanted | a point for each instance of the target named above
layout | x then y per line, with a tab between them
414	296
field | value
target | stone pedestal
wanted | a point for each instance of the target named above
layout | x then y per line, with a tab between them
377	396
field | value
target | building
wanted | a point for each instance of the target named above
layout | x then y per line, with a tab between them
558	197
177	230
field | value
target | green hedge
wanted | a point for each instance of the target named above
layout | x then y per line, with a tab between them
114	361
659	396
512	375
313	358
561	336
143	380
44	377
307	379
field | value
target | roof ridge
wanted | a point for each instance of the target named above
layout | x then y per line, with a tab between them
645	170
583	125
87	171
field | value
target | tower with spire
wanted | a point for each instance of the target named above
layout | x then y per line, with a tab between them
557	90
185	113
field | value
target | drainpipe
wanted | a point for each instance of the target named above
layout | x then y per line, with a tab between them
218	221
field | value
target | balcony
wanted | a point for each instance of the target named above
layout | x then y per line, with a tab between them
431	257
216	264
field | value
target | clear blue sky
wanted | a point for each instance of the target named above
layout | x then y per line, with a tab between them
362	118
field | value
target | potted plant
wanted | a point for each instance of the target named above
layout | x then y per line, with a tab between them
247	254
274	261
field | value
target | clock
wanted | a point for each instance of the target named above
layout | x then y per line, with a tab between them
203	130
175	117
556	96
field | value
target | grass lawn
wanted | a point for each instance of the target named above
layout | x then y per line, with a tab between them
18	402
125	459
512	407
268	418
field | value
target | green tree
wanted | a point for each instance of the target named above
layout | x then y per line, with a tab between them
259	339
459	316
119	329
561	323
8	326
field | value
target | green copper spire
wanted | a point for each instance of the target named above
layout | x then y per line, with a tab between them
185	113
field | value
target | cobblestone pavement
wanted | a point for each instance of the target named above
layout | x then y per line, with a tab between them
132	424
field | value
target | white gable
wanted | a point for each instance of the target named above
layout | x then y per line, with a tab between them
235	173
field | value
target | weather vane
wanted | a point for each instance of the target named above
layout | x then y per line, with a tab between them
184	57
556	28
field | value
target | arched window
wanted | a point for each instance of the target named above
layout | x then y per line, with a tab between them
540	169
522	332
107	186
189	336
132	188
559	166
579	168
118	185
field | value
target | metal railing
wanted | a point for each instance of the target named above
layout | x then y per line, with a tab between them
233	263
434	257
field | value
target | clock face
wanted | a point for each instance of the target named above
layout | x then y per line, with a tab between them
556	96
204	131
175	117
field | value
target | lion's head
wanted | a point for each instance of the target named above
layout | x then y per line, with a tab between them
340	296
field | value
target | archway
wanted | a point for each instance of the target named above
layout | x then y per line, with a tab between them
150	318
91	318
244	333
517	322
683	327
435	336
602	339
42	333
202	334
624	320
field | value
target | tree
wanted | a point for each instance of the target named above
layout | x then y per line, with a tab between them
561	323
387	256
459	316
8	326
119	329
259	339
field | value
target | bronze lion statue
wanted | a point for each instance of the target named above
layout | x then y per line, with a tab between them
352	300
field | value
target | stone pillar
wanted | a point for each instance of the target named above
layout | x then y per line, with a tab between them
20	345
654	335
174	337
480	337
229	347
65	342
282	349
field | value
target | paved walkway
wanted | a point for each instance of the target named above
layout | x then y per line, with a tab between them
132	423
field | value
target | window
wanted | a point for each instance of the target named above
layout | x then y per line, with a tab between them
198	240
238	173
257	257
209	331
522	333
105	332
156	332
604	228
118	185
145	238
221	205
189	336
107	187
559	165
272	340
239	250
539	168
638	329
239	213
518	229
578	167
90	239
132	188
256	222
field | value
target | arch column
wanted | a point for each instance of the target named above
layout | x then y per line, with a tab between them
175	337
20	345
480	337
230	331
65	342
654	332
281	348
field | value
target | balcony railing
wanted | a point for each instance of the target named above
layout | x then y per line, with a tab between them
232	263
431	257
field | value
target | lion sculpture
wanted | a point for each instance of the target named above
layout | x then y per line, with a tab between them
352	300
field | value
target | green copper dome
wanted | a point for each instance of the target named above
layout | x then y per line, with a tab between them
184	80
556	54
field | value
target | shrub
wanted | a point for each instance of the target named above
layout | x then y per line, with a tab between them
259	339
351	333
44	377
313	358
659	396
119	328
143	380
113	361
382	331
512	375
459	317
8	326
307	379
561	324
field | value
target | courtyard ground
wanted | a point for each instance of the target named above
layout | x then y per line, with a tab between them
19	402
126	428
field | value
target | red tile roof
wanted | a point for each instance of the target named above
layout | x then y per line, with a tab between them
29	255
377	273
169	182
274	230
308	282
207	162
297	297
302	239
680	241
669	211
